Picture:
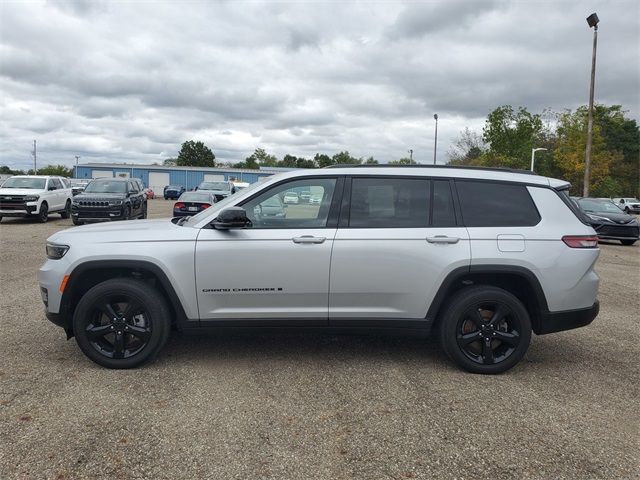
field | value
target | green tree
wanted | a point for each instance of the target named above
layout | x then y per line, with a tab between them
403	161
512	134
344	158
195	154
322	160
59	170
371	161
467	148
170	162
5	170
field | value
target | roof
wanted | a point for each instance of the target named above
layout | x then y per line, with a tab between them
433	171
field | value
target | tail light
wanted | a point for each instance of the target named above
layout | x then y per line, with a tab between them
581	241
179	206
205	205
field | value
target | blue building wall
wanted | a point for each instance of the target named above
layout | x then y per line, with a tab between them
189	178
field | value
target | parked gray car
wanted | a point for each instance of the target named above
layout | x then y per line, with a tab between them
480	257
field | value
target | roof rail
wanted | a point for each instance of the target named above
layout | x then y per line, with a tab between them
465	167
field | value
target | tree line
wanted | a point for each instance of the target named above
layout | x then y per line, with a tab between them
509	135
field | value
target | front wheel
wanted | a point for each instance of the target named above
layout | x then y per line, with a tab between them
127	213
66	213
627	242
485	329
43	215
121	323
144	211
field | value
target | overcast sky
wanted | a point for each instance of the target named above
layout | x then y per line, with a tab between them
130	81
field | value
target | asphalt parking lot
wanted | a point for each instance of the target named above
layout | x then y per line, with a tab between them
300	406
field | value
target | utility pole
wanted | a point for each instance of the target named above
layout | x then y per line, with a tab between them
76	172
592	20
435	141
34	153
411	155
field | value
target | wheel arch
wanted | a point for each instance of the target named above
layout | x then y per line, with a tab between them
517	280
86	275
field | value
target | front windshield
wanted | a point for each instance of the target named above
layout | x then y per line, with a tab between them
25	182
221	204
598	206
214	186
106	186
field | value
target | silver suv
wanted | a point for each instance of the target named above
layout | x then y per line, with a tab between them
479	257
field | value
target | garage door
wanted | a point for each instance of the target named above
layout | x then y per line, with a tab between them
101	174
157	181
208	177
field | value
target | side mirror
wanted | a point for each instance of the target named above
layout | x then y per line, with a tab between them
132	192
232	217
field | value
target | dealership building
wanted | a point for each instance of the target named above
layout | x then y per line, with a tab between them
157	176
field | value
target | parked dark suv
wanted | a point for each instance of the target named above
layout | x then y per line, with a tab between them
108	199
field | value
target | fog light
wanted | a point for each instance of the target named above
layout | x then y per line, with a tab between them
45	296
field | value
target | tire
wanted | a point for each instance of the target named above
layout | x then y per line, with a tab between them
0	219
144	211
77	221
476	342
627	211
127	213
139	331
66	213
628	242
43	214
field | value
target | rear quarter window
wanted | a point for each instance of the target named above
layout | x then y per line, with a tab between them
494	204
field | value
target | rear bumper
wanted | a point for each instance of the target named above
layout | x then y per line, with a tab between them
551	322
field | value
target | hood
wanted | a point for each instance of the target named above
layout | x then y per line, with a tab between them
155	230
100	196
20	191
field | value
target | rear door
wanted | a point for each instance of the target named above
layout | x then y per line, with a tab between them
278	269
398	238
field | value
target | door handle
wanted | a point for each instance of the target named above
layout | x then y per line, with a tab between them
308	239
442	239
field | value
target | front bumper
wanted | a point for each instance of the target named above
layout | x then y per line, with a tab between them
551	322
617	232
103	214
18	209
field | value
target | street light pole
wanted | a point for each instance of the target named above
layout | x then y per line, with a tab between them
592	20
76	172
411	155
533	155
435	140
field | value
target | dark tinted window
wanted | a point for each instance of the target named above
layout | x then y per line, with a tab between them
488	204
443	212
389	202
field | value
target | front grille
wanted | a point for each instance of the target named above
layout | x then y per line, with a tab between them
92	203
11	202
618	231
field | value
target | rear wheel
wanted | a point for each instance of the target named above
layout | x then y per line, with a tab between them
121	323
627	242
485	329
66	213
43	215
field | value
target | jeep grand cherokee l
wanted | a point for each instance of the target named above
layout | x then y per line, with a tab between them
480	257
108	199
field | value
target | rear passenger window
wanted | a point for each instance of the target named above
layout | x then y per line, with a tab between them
389	203
490	204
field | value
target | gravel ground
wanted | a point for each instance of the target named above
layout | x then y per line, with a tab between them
300	406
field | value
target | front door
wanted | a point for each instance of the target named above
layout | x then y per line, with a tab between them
398	239
278	268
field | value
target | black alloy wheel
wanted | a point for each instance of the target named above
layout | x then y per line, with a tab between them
66	213
43	216
485	329
127	213
121	323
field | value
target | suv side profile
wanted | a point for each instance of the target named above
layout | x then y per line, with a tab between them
35	196
479	257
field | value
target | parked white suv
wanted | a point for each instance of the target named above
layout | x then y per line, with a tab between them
35	196
483	257
629	205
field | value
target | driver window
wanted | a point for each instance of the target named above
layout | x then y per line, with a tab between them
297	204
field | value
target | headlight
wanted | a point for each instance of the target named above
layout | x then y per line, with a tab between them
599	218
56	252
31	198
115	202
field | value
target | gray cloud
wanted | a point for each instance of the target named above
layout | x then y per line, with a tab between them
130	81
